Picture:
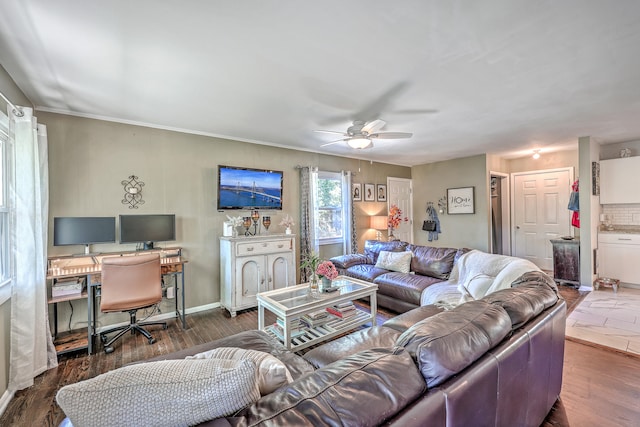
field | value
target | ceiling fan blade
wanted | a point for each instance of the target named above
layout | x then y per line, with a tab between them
331	132
334	142
391	135
373	126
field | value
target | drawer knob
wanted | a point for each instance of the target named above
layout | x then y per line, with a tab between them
250	249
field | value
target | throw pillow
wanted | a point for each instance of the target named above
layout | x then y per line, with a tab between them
164	393
272	373
395	261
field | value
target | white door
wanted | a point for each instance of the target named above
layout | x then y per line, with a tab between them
540	200
399	193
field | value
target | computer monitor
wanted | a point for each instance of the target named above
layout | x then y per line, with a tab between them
147	229
83	231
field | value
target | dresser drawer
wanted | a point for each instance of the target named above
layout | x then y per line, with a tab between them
622	239
257	248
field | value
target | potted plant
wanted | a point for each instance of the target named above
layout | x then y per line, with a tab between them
287	223
327	272
394	220
310	263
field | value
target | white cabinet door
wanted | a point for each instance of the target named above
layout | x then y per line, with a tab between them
281	272
250	280
619	255
618	180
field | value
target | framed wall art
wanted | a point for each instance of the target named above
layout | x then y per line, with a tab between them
460	200
369	193
356	192
381	192
595	178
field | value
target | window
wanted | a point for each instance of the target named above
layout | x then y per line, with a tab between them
329	205
5	255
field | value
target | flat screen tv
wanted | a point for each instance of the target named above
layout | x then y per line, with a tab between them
147	229
83	231
246	188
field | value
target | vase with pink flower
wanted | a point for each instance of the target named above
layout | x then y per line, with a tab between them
327	272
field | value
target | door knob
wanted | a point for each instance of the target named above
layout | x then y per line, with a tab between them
518	227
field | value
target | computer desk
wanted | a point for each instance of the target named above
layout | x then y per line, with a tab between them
172	264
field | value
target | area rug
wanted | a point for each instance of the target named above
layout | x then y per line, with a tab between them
608	319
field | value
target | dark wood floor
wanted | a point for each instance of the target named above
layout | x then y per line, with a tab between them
600	387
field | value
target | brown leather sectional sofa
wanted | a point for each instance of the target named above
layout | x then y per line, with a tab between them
400	291
496	361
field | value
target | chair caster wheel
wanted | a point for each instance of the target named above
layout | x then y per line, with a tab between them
152	340
108	350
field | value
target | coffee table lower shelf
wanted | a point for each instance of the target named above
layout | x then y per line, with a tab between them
318	334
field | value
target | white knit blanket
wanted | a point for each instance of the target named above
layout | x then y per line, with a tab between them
477	274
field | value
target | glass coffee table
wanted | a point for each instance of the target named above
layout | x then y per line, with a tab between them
294	303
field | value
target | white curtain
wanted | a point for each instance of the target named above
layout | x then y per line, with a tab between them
32	350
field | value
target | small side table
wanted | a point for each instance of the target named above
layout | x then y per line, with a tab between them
607	282
566	261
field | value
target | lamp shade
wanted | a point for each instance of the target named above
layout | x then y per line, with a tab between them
378	222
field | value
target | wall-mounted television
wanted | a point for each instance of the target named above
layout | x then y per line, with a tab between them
246	188
147	229
83	231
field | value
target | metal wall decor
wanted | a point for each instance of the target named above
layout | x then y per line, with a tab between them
132	192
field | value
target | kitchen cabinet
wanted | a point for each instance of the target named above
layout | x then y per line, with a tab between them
618	256
618	180
249	265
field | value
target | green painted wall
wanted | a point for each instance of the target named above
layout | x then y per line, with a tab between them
89	158
430	183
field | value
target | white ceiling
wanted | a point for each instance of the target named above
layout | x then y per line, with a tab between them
465	77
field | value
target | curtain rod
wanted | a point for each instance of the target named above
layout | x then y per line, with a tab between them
16	110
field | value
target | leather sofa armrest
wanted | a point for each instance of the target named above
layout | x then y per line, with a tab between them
346	261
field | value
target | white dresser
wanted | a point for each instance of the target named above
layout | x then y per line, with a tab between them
253	264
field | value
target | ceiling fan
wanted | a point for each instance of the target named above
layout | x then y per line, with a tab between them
361	134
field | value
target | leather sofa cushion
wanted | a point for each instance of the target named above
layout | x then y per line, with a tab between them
404	321
365	339
346	261
364	389
536	277
372	248
448	342
403	286
366	272
250	340
524	302
430	261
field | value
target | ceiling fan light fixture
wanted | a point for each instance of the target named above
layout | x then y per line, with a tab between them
359	142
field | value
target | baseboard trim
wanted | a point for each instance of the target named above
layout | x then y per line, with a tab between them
163	316
4	401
